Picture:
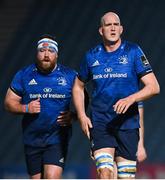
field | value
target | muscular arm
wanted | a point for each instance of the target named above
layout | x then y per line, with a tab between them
78	98
13	104
151	88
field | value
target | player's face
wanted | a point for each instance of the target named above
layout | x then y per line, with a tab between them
46	59
111	29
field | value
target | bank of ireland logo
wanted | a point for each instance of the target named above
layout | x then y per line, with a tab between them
47	90
62	81
108	69
123	59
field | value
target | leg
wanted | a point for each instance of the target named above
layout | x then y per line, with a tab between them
33	156
103	145
126	153
54	161
36	176
52	172
114	170
126	168
104	162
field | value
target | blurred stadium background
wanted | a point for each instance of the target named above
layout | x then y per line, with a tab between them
75	24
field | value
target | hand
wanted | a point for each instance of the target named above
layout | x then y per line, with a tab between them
34	106
122	105
86	125
141	153
65	118
91	155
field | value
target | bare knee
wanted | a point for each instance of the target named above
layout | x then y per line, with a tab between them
104	164
36	176
52	175
52	172
105	173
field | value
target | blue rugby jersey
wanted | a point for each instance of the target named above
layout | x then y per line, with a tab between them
114	75
54	91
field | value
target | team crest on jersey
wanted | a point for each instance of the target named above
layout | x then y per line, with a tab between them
62	81
144	60
123	59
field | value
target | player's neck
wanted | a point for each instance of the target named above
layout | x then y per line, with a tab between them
112	46
46	71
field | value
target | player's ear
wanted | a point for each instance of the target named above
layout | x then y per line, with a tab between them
56	55
101	31
121	29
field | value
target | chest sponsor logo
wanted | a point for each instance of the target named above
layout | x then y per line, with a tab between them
47	90
123	59
32	82
109	75
62	81
47	94
109	69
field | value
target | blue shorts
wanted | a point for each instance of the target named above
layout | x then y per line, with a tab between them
36	157
125	142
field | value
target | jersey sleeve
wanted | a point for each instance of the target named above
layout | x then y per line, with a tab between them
74	75
142	65
84	73
16	85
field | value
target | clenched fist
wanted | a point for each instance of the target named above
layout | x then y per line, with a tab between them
34	106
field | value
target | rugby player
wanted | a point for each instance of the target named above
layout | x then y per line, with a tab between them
115	68
42	92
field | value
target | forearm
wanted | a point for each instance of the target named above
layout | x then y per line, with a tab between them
141	129
15	107
141	136
141	152
78	98
145	93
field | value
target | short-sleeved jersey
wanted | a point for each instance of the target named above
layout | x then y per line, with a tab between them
114	75
54	91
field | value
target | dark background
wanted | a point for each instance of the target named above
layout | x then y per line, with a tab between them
75	24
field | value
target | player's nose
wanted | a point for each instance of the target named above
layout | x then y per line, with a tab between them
46	52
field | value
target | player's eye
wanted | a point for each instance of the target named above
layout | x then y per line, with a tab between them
42	49
116	24
52	50
110	24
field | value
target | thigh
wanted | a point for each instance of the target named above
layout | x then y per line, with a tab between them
33	157
127	144
101	137
55	155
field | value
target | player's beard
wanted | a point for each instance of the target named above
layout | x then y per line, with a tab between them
46	66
